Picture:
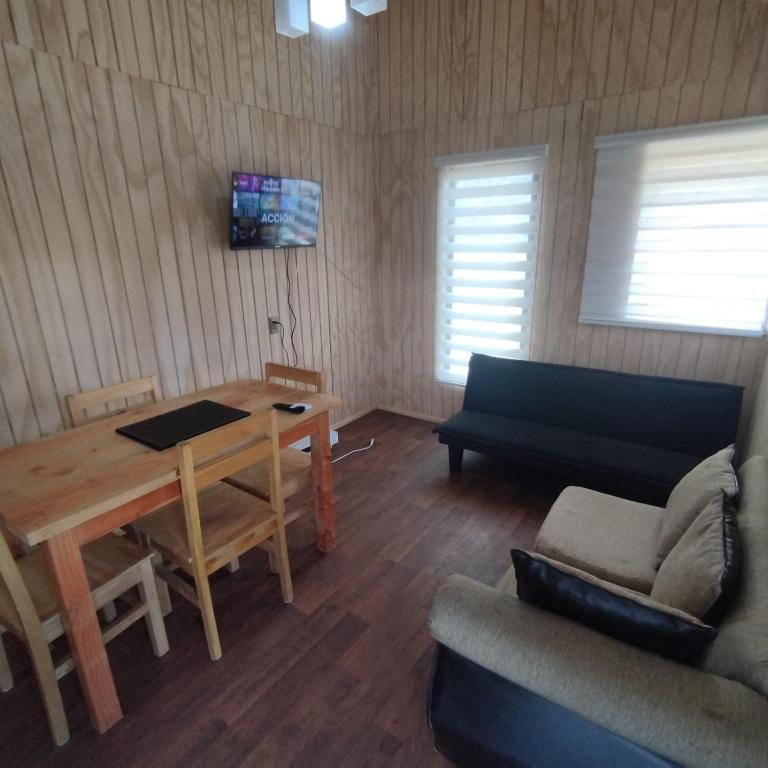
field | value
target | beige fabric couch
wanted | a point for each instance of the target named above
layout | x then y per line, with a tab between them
712	715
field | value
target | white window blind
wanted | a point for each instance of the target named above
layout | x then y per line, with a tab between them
678	235
487	232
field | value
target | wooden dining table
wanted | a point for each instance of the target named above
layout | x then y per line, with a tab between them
76	486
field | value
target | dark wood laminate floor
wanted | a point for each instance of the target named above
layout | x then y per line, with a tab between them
339	677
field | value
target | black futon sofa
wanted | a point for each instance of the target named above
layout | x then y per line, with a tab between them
642	433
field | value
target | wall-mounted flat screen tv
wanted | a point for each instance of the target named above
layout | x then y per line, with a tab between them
273	212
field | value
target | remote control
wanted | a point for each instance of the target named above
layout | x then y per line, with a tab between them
290	408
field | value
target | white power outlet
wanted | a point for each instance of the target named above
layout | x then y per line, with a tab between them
274	325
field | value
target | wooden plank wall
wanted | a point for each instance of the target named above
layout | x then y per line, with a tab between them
474	75
121	119
120	122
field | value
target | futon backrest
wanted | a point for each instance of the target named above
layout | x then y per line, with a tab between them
740	651
698	418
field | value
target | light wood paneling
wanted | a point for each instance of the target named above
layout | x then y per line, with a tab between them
484	58
560	74
121	123
121	120
222	48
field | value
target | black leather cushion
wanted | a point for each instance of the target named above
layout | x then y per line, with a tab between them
628	459
620	613
687	417
729	581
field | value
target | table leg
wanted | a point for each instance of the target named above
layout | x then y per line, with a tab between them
322	476
85	642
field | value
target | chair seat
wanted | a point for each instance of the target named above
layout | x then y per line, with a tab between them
105	559
295	469
612	538
229	520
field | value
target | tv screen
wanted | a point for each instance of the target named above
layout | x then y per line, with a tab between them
273	212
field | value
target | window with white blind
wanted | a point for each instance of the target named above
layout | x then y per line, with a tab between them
487	233
678	235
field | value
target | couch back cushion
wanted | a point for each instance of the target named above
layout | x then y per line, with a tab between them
705	482
740	652
692	417
700	574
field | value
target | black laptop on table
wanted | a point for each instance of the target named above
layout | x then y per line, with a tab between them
167	429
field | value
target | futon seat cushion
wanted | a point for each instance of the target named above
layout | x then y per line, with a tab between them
643	462
612	538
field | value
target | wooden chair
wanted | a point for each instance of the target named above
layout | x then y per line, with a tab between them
28	610
295	466
211	529
294	375
79	404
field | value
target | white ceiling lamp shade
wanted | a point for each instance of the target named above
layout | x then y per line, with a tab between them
292	17
368	7
328	13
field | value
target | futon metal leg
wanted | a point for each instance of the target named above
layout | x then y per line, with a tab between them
455	455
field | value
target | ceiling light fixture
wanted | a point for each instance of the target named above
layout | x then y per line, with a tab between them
368	7
328	13
291	17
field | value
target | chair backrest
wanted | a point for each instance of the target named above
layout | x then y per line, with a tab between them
296	375
215	455
78	404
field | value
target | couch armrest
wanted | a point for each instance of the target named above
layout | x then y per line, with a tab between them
680	712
